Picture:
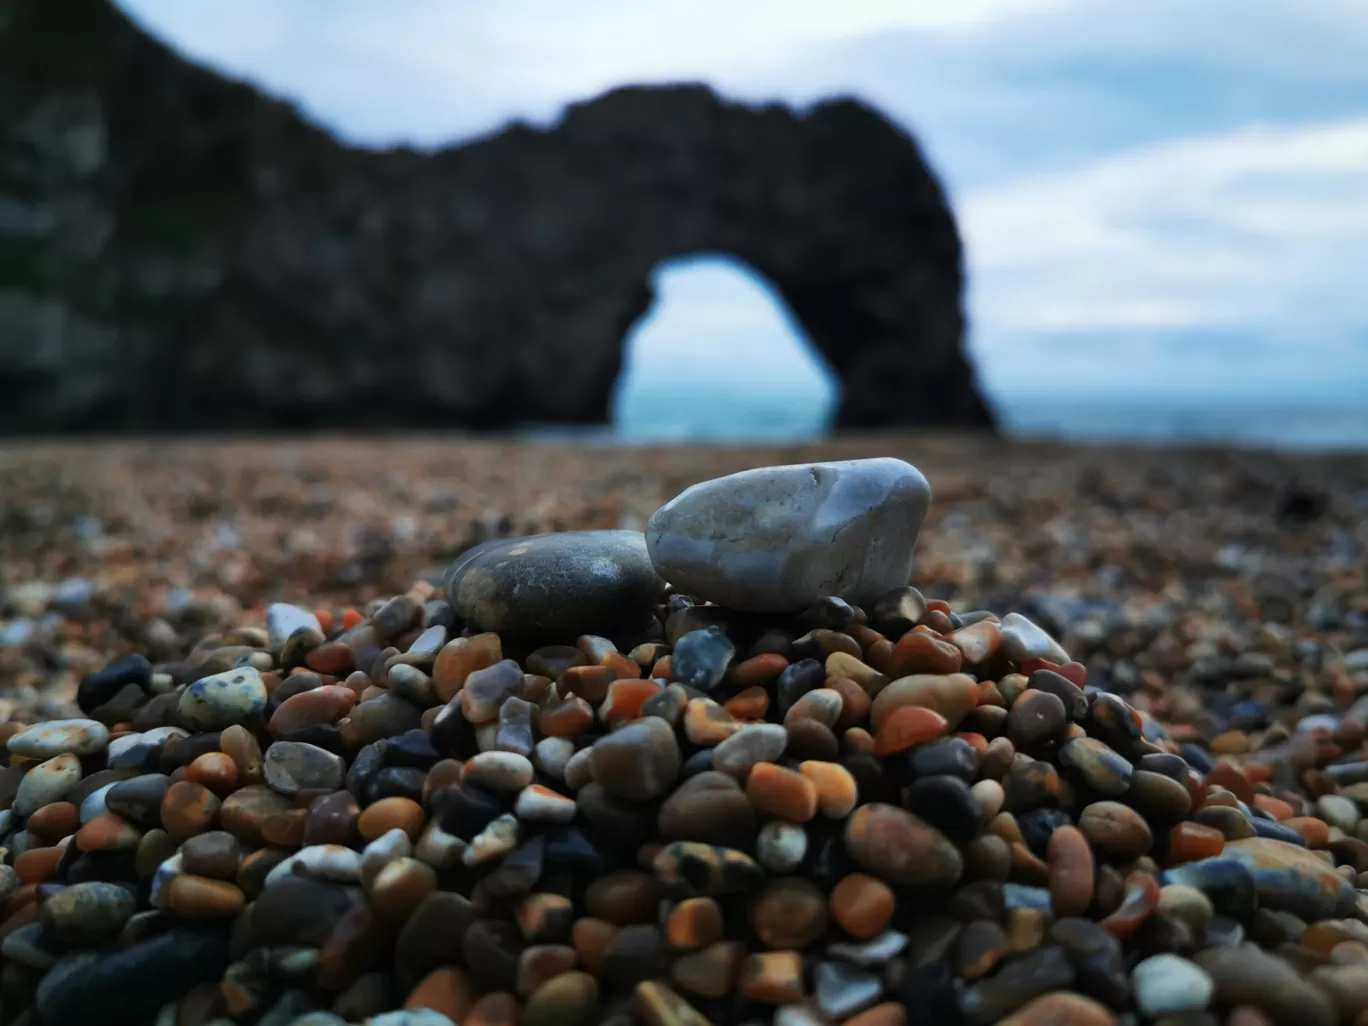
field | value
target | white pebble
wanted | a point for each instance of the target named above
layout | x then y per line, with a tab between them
1166	984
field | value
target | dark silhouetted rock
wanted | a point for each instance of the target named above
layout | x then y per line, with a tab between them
178	251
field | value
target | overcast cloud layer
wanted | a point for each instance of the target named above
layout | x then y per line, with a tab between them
1153	196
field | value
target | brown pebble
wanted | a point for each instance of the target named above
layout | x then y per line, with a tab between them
694	923
244	813
862	905
1116	829
188	809
216	771
390	813
198	897
623	897
773	977
1071	872
788	913
238	744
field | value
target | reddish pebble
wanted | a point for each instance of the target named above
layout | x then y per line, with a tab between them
1140	900
862	905
1071	871
214	770
38	865
890	1013
54	821
198	897
920	651
781	792
1229	776
773	977
319	707
188	809
331	657
351	618
461	657
1275	807
108	832
906	727
1061	1008
497	1009
750	704
1188	842
625	698
1315	832
756	671
837	791
694	923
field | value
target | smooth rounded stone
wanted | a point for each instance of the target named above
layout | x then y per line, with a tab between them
777	539
321	861
538	804
1035	717
1101	769
214	854
493	842
293	766
87	913
103	685
283	619
46	783
139	799
700	659
1023	640
1291	879
223	699
384	716
93	804
711	808
796	680
59	737
1117	829
781	847
947	803
410	683
842	990
1160	798
569	999
1063	1009
380	852
897	846
128	987
1249	976
878	950
1227	883
943	756
498	772
1334	809
411	1017
639	762
1016	982
952	695
552	754
1165	984
30	946
759	742
789	912
554	585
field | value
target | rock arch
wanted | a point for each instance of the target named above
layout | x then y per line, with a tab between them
191	254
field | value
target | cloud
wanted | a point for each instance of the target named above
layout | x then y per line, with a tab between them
1252	241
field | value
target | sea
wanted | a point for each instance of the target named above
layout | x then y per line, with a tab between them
729	416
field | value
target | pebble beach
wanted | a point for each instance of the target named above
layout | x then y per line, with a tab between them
427	731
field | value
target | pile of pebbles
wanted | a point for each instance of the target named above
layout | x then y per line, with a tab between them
731	769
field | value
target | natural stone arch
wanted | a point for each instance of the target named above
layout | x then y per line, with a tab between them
207	259
718	332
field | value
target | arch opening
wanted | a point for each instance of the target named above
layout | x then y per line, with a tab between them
718	356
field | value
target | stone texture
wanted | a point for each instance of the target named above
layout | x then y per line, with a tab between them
254	279
776	539
554	584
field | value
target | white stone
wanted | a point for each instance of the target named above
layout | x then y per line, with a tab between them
494	842
58	737
324	861
578	772
1165	984
781	846
439	849
223	699
538	804
392	844
283	619
500	772
46	783
776	539
552	754
1338	811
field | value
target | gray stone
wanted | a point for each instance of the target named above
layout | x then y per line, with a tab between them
223	699
843	990
777	539
46	783
283	619
87	913
58	737
1165	984
639	762
294	766
554	585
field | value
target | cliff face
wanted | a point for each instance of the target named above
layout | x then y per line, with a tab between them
179	252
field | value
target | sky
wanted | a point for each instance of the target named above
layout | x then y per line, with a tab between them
1160	197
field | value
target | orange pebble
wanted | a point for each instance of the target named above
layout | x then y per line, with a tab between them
325	620
855	701
837	791
1275	807
978	741
499	1008
862	905
1315	832
214	770
774	977
1232	778
663	669
757	670
37	865
781	792
906	726
750	704
1188	842
447	990
351	618
188	809
890	1013
107	832
54	821
694	923
622	667
921	651
591	938
625	699
387	814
